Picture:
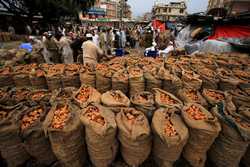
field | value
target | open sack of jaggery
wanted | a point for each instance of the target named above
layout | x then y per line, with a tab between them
209	78
228	81
53	74
40	96
21	75
71	76
136	80
213	97
100	129
86	95
152	79
17	95
87	76
240	97
120	81
246	158
115	100
233	141
62	94
203	130
144	101
30	122
134	136
191	80
103	78
188	95
170	136
165	99
4	96
244	76
37	78
66	134
11	145
6	77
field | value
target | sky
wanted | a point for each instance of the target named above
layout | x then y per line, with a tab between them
141	6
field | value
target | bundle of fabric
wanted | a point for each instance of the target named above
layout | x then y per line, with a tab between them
233	141
103	78
203	127
209	78
100	128
37	78
134	136
65	132
21	75
87	76
144	101
71	76
6	77
167	100
11	145
32	133
53	75
61	95
136	80
191	80
188	95
171	82
227	80
152	79
115	100
86	95
120	81
170	136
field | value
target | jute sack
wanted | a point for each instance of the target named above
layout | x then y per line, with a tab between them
32	134
191	80
165	99
40	96
240	98
62	94
103	78
53	74
227	80
21	76
246	158
203	130
4	96
244	75
87	76
6	77
213	97
234	139
115	100
66	134
120	81
152	80
37	78
171	82
134	136
209	78
244	111
188	95
18	95
71	76
144	102
170	136
11	146
136	80
86	95
100	127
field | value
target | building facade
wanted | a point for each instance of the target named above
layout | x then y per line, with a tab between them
169	11
126	13
233	6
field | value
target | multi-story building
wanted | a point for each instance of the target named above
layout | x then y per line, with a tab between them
169	11
126	12
232	6
110	7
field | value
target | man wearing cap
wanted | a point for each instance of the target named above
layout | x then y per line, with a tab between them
91	53
52	48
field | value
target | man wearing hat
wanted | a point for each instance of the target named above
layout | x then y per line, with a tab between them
91	53
52	48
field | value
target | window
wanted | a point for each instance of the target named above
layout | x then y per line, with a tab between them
165	10
181	11
169	10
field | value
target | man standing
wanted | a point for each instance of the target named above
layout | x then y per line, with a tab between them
51	48
92	54
103	39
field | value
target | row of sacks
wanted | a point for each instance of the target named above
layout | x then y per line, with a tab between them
220	130
136	74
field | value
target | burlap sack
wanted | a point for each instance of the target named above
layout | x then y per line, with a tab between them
152	79
246	158
67	142
115	100
32	134
54	75
37	78
62	94
86	95
6	77
87	76
191	80
103	78
192	96
227	80
134	136
71	76
4	96
120	81
11	146
240	98
18	95
54	82
209	78
144	102
41	96
213	97
100	134
203	132
21	76
136	80
232	143
244	75
167	148
165	99
171	82
244	111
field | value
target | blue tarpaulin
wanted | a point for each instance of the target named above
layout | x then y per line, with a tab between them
26	46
